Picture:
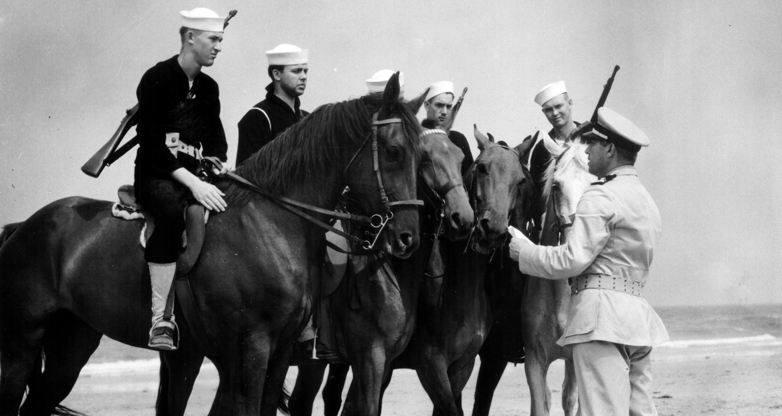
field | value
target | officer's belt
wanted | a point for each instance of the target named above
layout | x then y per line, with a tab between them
606	282
177	146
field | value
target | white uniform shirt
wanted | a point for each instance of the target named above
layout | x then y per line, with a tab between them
616	227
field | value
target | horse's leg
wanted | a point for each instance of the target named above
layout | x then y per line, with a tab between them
536	369
274	396
368	374
459	373
332	392
248	369
569	389
67	346
178	372
306	388
20	347
433	374
223	401
493	365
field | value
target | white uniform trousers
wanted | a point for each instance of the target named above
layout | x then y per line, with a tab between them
613	379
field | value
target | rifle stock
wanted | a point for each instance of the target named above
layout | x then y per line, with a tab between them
97	162
606	89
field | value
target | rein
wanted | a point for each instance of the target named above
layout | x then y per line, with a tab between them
376	221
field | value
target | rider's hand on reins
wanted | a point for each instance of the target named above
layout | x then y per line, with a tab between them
225	168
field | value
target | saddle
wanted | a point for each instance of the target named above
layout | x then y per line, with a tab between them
192	239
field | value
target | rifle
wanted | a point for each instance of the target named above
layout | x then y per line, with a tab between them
448	124
606	89
109	153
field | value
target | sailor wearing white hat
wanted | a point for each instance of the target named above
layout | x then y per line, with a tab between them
611	328
377	84
438	105
177	104
556	105
281	107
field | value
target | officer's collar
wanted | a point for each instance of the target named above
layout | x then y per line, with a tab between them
624	170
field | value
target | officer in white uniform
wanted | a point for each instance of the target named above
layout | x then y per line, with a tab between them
609	249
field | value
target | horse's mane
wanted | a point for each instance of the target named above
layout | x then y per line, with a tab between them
314	145
561	158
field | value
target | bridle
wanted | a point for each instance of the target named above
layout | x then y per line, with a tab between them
436	197
473	195
376	221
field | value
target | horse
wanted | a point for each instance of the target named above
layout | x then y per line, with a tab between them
373	309
438	177
72	273
544	303
454	315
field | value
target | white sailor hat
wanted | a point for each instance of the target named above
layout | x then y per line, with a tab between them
378	81
286	54
202	18
550	91
614	128
440	87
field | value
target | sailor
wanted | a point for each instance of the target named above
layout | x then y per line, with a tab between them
438	105
611	328
179	122
281	108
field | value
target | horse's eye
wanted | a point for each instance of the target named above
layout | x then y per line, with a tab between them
393	153
482	169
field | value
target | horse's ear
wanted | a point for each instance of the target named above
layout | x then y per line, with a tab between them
483	141
415	104
526	146
491	138
578	131
391	93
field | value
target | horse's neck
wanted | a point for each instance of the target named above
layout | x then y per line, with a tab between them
465	275
322	192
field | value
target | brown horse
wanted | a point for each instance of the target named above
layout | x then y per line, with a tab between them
72	273
374	308
454	315
544	303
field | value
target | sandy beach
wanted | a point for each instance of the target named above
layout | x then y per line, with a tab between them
734	376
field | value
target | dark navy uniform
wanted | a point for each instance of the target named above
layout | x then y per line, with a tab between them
264	122
167	104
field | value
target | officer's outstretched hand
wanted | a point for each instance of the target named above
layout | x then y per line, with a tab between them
515	243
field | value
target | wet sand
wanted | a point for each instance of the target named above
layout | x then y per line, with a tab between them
706	377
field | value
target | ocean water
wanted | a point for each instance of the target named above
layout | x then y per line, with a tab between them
721	322
684	323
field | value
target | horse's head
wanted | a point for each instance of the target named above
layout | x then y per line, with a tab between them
441	170
382	172
494	181
567	178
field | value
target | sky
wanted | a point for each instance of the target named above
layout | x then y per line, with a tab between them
699	77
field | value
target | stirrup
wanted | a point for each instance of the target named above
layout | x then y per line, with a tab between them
161	335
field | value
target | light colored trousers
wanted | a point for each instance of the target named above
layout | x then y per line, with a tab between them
613	379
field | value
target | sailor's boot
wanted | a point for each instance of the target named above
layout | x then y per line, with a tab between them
161	336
